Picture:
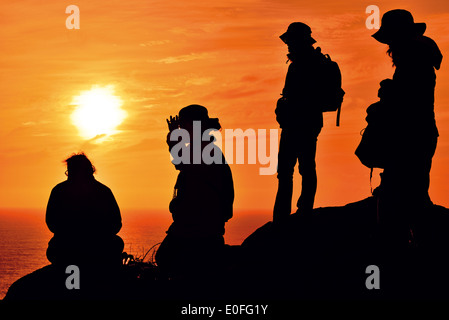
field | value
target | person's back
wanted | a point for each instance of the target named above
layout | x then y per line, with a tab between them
86	207
203	202
415	61
414	79
84	217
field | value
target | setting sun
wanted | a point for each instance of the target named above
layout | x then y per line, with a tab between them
98	112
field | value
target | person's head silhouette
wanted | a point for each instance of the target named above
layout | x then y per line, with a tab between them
398	25
195	112
407	44
79	167
298	37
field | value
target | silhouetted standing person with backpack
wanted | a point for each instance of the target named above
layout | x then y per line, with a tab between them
405	180
312	84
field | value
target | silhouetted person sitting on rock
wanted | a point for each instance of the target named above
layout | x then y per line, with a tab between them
203	198
84	217
405	180
300	115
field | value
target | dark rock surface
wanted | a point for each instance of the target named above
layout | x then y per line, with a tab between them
321	255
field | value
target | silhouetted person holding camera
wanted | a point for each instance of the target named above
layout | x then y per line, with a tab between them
413	134
84	217
300	115
203	197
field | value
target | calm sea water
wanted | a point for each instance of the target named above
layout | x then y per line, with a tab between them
24	237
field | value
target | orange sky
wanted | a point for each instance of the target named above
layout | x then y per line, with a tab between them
163	55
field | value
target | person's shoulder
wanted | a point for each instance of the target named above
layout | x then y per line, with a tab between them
60	186
426	41
101	186
223	168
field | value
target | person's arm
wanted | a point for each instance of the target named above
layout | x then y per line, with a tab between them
115	216
178	200
51	215
173	125
289	85
228	194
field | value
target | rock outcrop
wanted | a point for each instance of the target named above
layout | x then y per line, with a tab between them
321	255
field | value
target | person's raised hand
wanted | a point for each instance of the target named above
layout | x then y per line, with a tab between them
173	123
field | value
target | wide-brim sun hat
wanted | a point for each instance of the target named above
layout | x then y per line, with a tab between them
298	31
398	24
195	112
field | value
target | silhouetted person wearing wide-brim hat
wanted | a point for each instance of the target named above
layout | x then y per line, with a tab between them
398	25
406	177
202	202
300	115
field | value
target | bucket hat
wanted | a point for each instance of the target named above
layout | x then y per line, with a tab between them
397	24
298	31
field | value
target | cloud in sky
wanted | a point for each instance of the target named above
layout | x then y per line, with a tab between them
183	58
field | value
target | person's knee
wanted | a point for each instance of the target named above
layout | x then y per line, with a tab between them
285	174
308	170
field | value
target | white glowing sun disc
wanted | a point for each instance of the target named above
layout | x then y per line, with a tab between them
97	112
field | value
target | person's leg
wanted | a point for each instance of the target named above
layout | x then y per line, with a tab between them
286	165
393	204
209	257
166	255
307	169
405	185
426	167
418	192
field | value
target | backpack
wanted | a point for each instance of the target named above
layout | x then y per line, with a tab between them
330	96
330	81
375	146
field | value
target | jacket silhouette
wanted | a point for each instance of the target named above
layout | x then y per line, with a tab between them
84	217
203	202
201	205
305	120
